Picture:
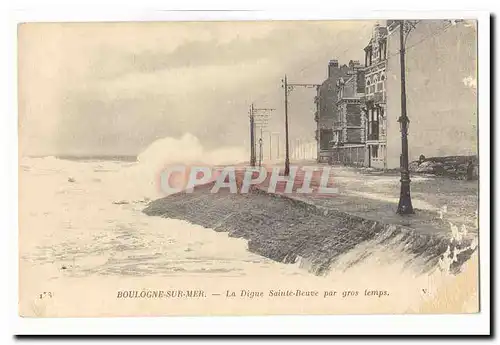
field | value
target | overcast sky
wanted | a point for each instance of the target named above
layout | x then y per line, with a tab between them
114	88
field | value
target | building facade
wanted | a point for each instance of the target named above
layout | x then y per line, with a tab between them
441	66
374	100
326	109
348	145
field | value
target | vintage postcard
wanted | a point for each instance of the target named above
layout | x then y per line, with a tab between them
235	168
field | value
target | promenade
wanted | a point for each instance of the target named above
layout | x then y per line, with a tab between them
374	195
287	227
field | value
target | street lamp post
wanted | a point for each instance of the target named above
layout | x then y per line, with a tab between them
405	206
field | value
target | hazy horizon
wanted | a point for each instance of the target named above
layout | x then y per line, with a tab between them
114	88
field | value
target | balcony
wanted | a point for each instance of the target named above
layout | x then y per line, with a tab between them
377	97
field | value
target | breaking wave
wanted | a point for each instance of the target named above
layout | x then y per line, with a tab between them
168	151
72	215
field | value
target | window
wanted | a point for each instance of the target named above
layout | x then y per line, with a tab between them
383	50
326	135
374	151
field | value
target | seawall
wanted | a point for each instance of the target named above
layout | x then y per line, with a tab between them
287	230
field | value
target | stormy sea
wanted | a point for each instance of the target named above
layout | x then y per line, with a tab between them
83	236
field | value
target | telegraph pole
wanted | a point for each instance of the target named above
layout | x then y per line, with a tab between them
287	154
289	87
405	205
252	136
258	119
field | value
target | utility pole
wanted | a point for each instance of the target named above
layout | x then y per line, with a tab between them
287	154
405	205
258	119
252	136
288	88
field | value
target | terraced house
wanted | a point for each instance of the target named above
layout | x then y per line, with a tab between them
348	146
326	109
374	100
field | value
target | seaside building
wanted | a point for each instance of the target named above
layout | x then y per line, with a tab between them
374	100
327	110
348	144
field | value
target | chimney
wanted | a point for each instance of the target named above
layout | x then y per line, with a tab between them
332	66
354	64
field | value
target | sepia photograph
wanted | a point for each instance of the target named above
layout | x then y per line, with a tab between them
248	167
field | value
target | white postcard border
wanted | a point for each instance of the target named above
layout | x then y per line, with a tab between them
386	324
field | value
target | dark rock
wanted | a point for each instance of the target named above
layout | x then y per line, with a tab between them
461	167
413	166
425	167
